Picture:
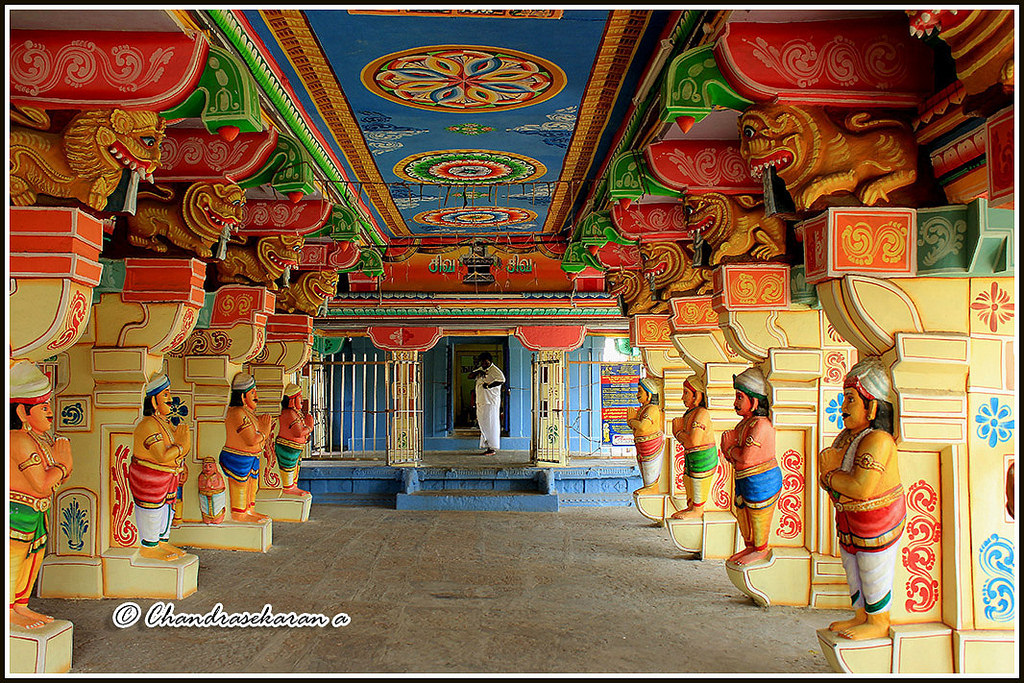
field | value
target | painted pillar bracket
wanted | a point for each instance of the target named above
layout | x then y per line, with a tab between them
54	266
694	87
288	170
237	325
225	98
629	179
344	224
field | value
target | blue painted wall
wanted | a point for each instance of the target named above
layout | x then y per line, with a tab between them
353	429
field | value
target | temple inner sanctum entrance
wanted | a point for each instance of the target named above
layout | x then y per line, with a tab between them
463	389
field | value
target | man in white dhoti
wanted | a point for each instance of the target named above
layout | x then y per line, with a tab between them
488	402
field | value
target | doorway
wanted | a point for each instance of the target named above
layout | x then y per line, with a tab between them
464	355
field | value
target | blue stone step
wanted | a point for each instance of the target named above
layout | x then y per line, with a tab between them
477	500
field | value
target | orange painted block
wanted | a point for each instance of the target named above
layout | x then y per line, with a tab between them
404	338
751	287
650	331
284	327
241	303
859	241
164	280
55	242
692	314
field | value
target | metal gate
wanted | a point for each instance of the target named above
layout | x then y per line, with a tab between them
349	406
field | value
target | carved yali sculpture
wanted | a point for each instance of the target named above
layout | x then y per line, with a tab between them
206	213
734	227
668	269
822	156
86	161
261	264
308	292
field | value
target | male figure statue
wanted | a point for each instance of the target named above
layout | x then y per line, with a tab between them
860	473
158	461
293	431
700	454
489	379
38	466
647	423
750	448
240	457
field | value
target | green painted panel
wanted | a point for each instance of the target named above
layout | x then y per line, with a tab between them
226	95
694	87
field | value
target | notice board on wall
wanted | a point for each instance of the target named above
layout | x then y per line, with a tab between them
619	382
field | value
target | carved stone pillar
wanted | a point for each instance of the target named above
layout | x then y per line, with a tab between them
404	445
98	404
651	334
550	436
702	345
201	367
288	347
947	342
787	341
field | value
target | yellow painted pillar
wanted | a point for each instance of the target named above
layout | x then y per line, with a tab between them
288	348
99	401
707	354
549	409
203	365
405	408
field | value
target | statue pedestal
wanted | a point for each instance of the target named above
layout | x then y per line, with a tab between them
129	575
713	535
781	579
282	507
829	589
652	506
70	577
46	649
228	535
872	656
984	652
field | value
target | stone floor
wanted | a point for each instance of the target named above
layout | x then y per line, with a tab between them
582	590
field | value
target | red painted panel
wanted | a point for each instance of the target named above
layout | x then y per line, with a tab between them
693	314
1001	150
404	338
193	154
661	221
874	62
551	337
104	69
283	217
283	327
241	303
701	165
751	287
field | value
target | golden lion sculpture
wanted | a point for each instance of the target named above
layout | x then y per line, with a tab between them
735	227
822	157
85	161
309	292
207	211
262	264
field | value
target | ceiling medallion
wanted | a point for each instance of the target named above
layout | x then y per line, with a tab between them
468	167
463	78
475	217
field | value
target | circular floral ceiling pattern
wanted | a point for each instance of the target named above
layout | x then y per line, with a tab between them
475	217
463	78
468	167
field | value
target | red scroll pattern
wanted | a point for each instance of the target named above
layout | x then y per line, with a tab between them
76	314
125	532
721	494
679	470
923	531
789	505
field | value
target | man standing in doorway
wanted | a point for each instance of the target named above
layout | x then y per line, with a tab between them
488	402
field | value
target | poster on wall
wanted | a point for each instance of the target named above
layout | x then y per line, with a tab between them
619	382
